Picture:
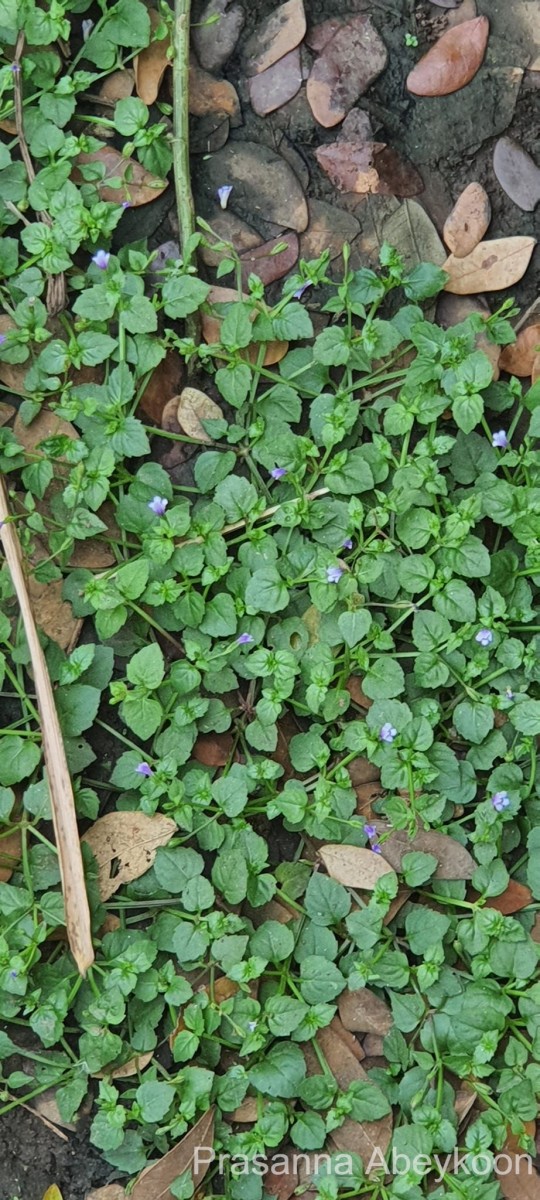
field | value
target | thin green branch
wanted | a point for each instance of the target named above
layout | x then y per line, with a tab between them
185	207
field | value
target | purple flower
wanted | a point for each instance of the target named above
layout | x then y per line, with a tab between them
158	505
244	640
303	288
347	544
15	67
223	194
500	440
484	637
101	259
333	574
509	694
2	338
370	831
376	848
278	472
500	801
125	204
387	733
144	769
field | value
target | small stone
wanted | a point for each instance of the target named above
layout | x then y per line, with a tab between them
277	85
215	43
350	62
279	33
466	225
517	173
329	227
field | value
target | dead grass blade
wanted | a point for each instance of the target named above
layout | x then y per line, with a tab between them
61	792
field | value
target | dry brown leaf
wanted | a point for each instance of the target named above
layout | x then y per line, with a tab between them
213	749
517	173
535	372
194	407
343	1063
277	85
127	1069
58	777
452	62
208	95
454	860
352	1136
350	165
465	1098
518	1182
7	411
53	614
136	185
354	866
46	425
518	358
164	383
125	844
118	85
155	1181
10	854
270	263
275	36
366	794
281	1182
111	1191
361	770
491	266
247	1112
211	327
364	1012
12	375
358	696
514	898
152	62
347	66
467	223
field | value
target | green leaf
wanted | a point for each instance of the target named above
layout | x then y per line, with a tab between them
19	757
525	717
154	1100
326	901
184	295
473	720
383	679
280	1073
320	980
266	591
147	667
418	867
354	625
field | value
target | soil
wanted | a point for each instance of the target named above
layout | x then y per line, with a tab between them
450	140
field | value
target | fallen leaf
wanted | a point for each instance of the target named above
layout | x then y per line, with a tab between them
452	62
318	36
465	1098
361	770
124	845
467	223
194	407
517	1181
127	1069
414	235
53	615
535	373
136	186
465	11
350	166
397	176
46	1106
211	326
45	425
247	1112
233	231
7	411
164	383
329	227
213	749
342	1061
53	1193
272	260
515	897
535	931
275	36
155	1181
373	1047
491	266
214	41
10	854
366	794
152	62
118	85
277	85
210	133
517	173
518	358
281	1179
210	95
354	688
347	66
264	185
454	860
111	1191
354	866
364	1012
352	1136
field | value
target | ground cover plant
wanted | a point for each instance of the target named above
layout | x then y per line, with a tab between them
316	668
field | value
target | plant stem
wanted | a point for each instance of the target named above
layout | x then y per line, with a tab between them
185	207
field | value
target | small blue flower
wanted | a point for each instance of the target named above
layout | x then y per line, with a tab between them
223	194
387	733
144	769
303	288
278	472
500	801
500	440
158	505
125	204
87	27
484	637
2	338
376	848
333	574
101	259
370	831
347	544
509	693
244	640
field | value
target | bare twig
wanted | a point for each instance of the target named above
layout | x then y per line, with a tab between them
58	778
56	284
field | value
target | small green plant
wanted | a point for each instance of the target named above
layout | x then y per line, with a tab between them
410	39
349	581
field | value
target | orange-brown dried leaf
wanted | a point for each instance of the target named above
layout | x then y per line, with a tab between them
10	854
164	383
347	66
266	263
155	1181
194	407
7	411
152	62
518	358
520	1182
117	86
209	95
137	186
467	223
514	898
275	36
452	62
492	266
213	749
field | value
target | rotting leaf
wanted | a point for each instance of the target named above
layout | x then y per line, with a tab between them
275	36
272	260
10	854
164	383
124	845
517	173
452	62
469	220
491	266
454	860
151	63
514	898
518	358
155	1181
354	866
363	1011
194	407
414	235
277	85
519	1183
132	182
208	95
348	65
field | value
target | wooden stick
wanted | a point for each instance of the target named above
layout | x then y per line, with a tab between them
58	777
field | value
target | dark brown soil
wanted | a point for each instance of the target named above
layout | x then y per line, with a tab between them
32	1158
